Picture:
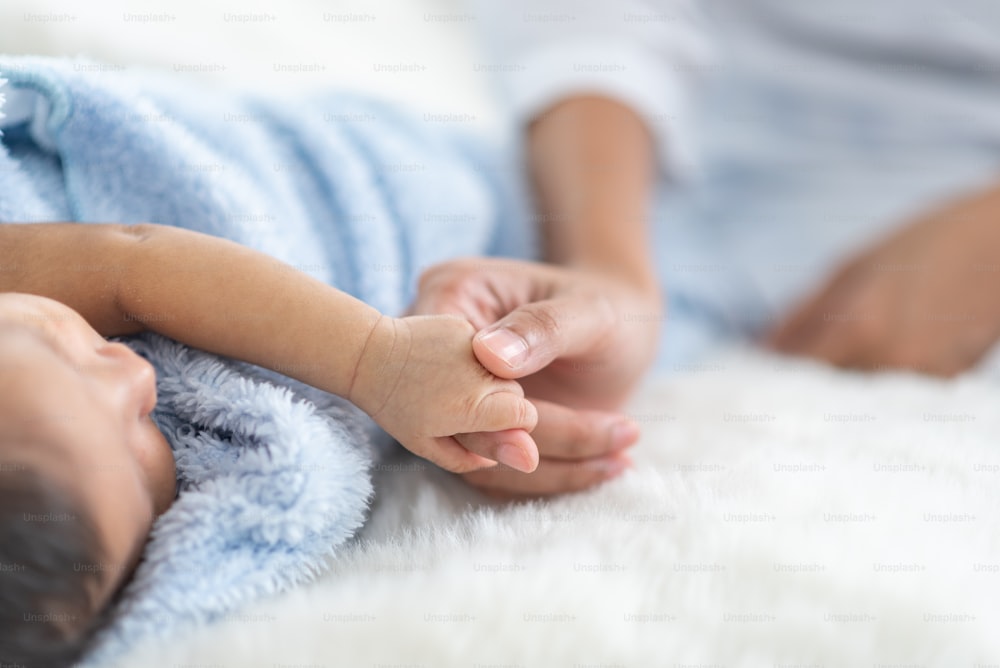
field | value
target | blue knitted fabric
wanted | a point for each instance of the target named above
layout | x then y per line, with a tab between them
273	474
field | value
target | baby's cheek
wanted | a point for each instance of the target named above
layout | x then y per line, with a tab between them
159	469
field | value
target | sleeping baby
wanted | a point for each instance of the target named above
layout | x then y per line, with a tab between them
84	471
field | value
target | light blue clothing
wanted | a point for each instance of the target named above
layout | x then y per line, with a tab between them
346	189
821	130
274	476
792	134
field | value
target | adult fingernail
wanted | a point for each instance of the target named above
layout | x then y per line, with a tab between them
506	345
612	467
515	457
624	433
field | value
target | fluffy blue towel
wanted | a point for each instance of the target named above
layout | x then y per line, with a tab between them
272	480
274	475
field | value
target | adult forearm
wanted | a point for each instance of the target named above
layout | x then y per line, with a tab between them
592	166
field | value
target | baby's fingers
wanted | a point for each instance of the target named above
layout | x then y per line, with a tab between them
464	453
503	410
449	454
512	447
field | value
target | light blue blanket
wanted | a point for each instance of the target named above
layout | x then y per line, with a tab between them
274	475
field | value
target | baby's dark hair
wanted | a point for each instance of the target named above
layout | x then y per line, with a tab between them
49	553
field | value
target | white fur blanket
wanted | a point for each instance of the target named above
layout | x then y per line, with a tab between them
779	514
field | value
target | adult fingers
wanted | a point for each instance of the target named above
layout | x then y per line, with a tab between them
567	433
855	329
480	290
806	320
561	434
553	476
834	344
535	334
801	326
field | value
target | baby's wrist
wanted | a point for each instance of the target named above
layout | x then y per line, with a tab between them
378	366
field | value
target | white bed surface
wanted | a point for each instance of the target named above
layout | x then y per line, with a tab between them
779	514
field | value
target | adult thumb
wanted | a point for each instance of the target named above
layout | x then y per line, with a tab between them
530	337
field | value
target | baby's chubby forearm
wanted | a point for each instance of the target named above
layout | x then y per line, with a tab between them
228	299
417	377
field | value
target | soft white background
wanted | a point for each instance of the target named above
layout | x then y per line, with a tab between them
346	39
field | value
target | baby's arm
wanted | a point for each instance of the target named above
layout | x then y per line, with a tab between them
417	377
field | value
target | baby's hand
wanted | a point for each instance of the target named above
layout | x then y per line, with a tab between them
420	381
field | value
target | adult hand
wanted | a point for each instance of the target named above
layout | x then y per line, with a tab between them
926	299
577	341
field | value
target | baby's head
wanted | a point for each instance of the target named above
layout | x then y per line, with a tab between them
83	473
